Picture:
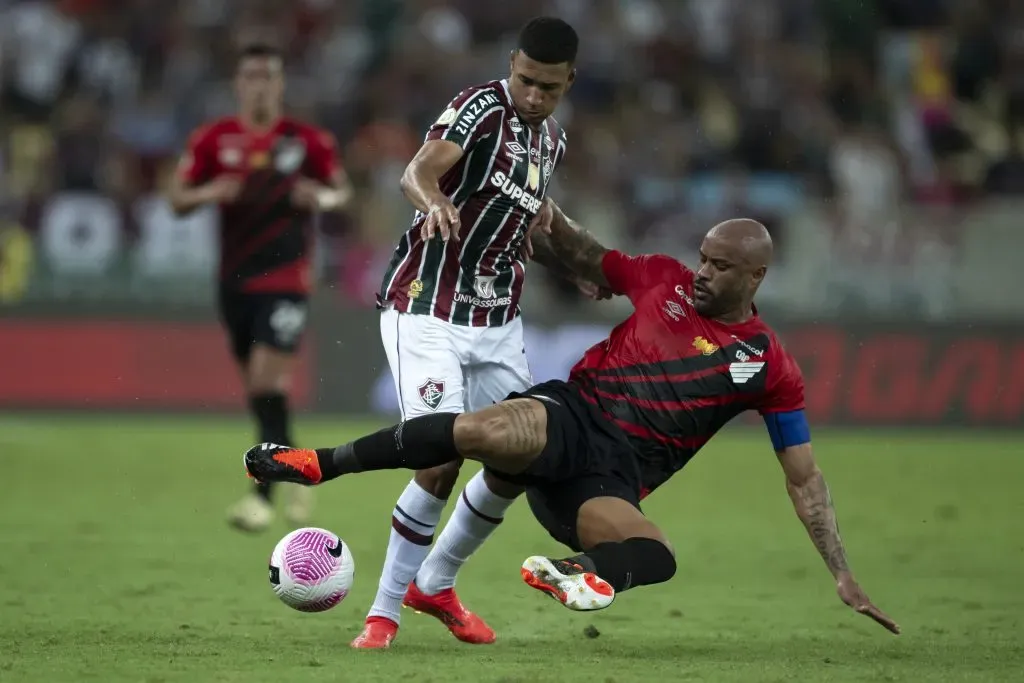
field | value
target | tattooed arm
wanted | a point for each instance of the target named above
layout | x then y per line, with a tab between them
813	504
568	249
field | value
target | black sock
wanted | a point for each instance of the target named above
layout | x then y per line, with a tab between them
417	444
630	563
271	412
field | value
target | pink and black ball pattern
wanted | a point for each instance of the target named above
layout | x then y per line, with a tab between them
311	570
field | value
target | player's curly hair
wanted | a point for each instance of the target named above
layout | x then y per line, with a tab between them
549	40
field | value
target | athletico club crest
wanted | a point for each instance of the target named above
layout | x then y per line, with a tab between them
289	155
432	393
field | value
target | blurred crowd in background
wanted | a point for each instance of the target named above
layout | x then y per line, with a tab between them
684	112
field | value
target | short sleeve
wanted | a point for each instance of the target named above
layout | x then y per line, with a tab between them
470	117
633	275
196	164
784	390
323	156
560	146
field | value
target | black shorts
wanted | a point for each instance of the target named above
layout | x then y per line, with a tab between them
277	320
586	457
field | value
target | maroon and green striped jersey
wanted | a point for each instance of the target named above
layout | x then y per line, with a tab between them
498	186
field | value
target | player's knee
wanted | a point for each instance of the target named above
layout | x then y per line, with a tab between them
481	433
469	434
268	370
439	481
609	519
499	487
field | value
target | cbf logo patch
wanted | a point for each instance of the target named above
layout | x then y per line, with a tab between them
432	393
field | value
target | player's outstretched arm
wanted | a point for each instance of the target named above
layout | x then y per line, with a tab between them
421	185
813	504
566	246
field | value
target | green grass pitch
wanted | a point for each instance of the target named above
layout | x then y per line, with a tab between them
116	565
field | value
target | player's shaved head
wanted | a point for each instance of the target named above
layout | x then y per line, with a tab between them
748	237
734	258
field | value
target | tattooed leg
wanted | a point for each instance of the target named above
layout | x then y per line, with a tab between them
507	436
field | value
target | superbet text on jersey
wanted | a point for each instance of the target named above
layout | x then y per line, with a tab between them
498	186
669	377
265	239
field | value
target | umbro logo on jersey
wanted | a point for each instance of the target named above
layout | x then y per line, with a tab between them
674	310
515	150
741	372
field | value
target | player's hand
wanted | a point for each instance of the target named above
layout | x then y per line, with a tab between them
592	290
442	218
541	222
305	194
224	189
852	595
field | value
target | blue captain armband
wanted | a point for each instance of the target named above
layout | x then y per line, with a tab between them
787	429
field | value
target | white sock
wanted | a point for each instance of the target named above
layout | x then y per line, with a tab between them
478	512
412	530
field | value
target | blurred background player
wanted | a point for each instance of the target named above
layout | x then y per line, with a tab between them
450	299
269	174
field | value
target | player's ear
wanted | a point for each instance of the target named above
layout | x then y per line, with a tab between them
511	62
570	80
758	274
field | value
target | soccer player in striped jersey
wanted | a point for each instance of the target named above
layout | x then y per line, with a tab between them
636	409
450	308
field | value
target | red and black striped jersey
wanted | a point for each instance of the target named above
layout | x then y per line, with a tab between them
498	186
265	240
669	377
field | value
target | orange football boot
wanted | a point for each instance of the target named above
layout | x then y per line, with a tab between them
446	607
378	632
269	462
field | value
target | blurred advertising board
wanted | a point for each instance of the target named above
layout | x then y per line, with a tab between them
859	373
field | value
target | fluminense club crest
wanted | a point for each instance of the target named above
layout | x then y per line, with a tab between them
432	393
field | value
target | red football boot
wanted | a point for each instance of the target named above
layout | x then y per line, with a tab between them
446	606
377	634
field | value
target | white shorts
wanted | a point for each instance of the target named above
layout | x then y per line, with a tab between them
441	367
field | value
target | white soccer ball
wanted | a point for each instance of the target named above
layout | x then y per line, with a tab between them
311	569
